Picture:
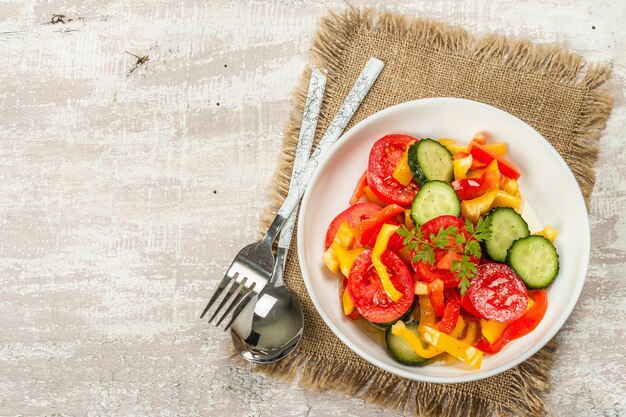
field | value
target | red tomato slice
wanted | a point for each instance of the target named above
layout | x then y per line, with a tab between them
467	305
384	157
520	327
497	293
367	292
429	273
353	215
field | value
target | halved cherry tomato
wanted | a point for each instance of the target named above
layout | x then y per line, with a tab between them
353	215
520	327
359	191
482	154
368	229
429	273
368	294
384	157
452	311
469	188
497	293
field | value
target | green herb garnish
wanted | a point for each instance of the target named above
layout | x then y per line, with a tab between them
449	238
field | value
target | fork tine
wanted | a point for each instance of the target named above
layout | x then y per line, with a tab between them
234	304
235	288
241	306
220	288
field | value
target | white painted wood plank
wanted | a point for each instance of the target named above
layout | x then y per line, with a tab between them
125	196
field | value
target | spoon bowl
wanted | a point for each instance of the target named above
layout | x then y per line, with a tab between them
271	327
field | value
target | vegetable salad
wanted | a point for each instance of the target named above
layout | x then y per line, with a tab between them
433	250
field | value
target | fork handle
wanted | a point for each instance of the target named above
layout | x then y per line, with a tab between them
351	103
314	97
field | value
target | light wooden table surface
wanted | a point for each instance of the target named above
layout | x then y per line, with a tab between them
125	195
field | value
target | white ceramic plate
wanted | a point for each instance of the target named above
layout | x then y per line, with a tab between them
551	196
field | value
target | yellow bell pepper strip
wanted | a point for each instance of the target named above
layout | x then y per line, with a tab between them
456	348
347	303
344	238
427	318
473	209
402	172
461	166
427	312
508	185
452	145
492	330
379	248
549	233
346	258
480	138
497	148
399	329
475	173
472	333
421	288
369	194
408	221
503	199
330	260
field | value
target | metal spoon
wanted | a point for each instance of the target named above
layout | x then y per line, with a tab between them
277	322
271	328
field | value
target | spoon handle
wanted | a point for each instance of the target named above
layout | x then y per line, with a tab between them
351	103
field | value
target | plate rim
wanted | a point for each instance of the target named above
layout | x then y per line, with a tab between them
478	375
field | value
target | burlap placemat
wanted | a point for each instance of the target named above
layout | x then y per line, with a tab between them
548	88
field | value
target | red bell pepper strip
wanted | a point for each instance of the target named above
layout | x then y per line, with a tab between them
482	154
470	188
363	230
435	290
469	307
359	191
519	327
451	312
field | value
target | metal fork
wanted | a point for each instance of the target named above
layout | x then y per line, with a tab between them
253	265
246	288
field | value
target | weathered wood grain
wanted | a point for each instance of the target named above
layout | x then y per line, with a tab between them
125	195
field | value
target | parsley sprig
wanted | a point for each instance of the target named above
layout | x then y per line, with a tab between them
449	238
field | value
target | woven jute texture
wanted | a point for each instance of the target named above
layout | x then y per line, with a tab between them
552	90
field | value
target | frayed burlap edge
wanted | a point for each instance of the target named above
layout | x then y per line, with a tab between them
530	378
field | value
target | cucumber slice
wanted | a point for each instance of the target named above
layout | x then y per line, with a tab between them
429	160
535	260
434	199
506	227
401	350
